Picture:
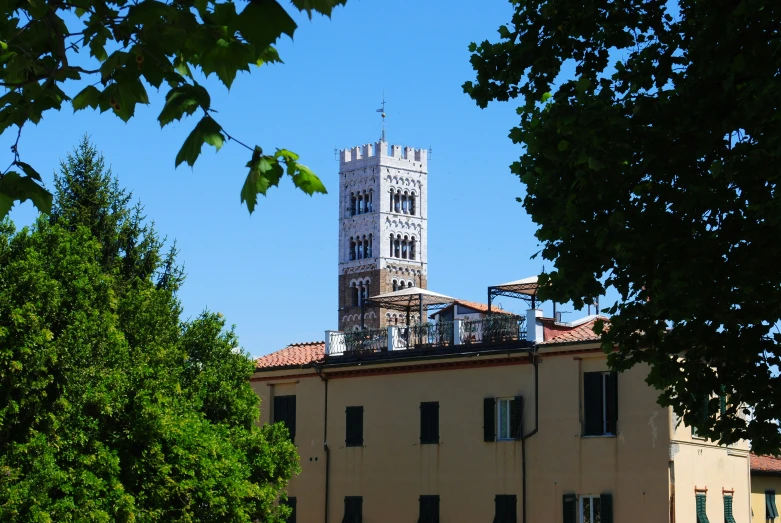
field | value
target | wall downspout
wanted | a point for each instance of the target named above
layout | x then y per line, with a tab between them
533	355
318	369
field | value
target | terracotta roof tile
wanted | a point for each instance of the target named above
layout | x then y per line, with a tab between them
293	354
583	332
766	464
480	307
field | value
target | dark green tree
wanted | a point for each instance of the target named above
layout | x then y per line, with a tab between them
111	408
651	144
105	54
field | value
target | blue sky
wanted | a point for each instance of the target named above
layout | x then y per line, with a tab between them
274	273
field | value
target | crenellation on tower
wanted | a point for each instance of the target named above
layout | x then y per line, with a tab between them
382	226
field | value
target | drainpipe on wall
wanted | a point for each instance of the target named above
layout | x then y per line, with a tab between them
533	355
318	369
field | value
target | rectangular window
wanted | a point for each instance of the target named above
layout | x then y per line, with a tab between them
353	509
600	403
728	517
429	509
489	419
354	433
429	422
505	509
771	512
702	517
595	509
291	502
702	415
509	416
285	412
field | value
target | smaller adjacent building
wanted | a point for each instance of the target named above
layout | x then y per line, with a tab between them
765	486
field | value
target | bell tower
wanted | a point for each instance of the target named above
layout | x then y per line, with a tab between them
382	228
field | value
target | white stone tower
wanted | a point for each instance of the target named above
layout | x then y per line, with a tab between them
382	228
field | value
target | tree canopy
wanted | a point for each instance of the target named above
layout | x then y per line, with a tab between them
105	54
111	408
651	136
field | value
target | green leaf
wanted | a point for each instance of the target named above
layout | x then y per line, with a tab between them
88	97
29	171
546	96
15	187
307	181
206	131
183	100
264	171
563	145
321	6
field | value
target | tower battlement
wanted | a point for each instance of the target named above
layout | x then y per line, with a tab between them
379	150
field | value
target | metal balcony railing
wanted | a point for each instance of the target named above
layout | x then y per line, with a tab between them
489	330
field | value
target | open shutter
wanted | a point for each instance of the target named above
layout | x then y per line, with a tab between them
611	402
770	504
429	509
489	422
606	507
353	509
354	429
291	502
728	517
702	516
592	403
285	411
516	418
570	508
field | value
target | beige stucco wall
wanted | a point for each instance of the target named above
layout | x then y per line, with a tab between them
759	484
392	469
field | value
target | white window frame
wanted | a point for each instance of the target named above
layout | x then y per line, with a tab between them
591	497
504	409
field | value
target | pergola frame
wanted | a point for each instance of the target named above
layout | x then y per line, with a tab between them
407	299
525	289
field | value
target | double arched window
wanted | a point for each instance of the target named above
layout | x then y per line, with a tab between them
360	247
402	247
361	202
359	292
402	201
399	285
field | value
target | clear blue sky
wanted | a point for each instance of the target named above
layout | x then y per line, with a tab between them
274	273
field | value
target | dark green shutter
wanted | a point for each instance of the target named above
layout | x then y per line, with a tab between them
728	517
606	508
570	508
489	423
354	429
429	509
592	403
429	422
505	510
516	418
285	411
611	402
291	502
770	504
702	517
353	509
723	400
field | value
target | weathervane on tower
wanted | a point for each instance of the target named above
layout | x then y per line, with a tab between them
382	110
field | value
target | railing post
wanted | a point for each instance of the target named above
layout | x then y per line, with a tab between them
457	331
328	342
391	331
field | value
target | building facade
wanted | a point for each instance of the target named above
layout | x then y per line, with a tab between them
765	489
533	429
382	228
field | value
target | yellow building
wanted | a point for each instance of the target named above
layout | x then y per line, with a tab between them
486	420
765	486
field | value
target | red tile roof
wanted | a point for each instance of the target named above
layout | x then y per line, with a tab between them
765	464
293	354
581	333
480	307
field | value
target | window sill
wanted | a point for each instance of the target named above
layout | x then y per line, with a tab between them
597	436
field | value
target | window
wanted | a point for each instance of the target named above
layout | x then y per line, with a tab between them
285	412
600	403
506	509
771	512
570	508
412	204
291	502
588	509
429	422
429	509
412	249
702	517
509	416
728	517
354	433
702	415
353	508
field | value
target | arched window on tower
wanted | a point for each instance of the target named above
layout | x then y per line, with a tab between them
404	248
367	247
364	291
397	202
352	204
395	285
401	285
354	297
412	203
412	248
370	208
397	247
360	249
352	249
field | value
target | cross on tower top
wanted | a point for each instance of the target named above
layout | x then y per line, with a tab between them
382	110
